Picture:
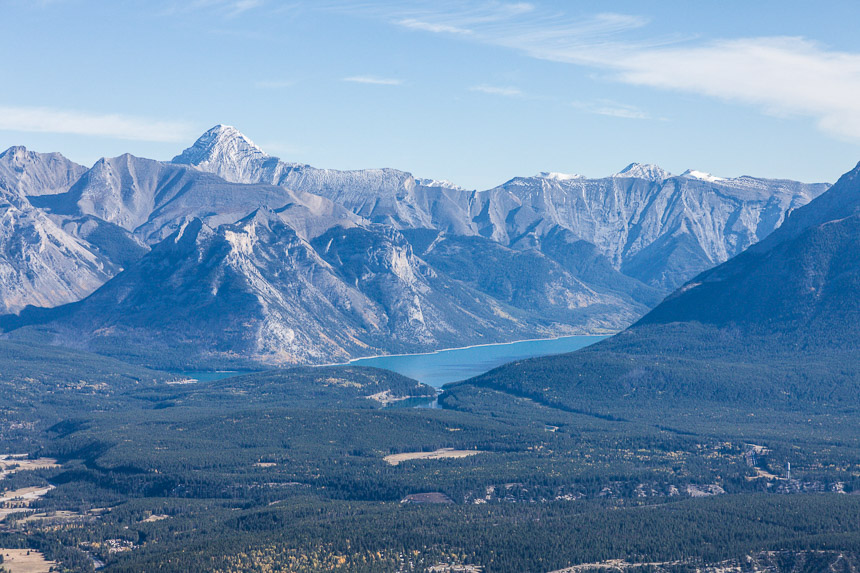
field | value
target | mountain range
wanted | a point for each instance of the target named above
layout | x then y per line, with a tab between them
226	254
658	228
775	326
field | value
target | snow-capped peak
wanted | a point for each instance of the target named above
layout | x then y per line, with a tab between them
559	176
225	151
701	175
219	139
644	171
442	183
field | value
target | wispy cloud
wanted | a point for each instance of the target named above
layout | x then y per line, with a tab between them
49	120
613	109
373	80
786	76
431	27
782	76
506	91
516	25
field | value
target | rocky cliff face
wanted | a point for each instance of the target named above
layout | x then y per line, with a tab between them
41	264
257	291
385	196
799	284
151	199
29	173
255	258
660	230
775	325
652	226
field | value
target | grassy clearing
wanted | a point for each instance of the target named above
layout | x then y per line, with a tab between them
441	453
25	561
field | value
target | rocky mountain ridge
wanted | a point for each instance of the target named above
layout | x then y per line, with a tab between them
289	263
658	228
775	326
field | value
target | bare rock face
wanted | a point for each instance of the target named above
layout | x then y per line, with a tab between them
776	324
226	152
151	199
41	264
658	228
385	196
29	173
229	254
257	291
799	284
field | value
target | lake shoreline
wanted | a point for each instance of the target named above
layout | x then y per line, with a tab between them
454	364
441	350
206	376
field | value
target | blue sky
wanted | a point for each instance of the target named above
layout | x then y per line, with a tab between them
472	91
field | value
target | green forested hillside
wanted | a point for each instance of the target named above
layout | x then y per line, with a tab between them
288	470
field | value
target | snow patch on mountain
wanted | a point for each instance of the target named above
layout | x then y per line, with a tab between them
441	183
701	176
644	171
555	176
225	151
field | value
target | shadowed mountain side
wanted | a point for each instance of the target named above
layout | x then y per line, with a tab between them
776	325
40	263
800	285
256	291
569	281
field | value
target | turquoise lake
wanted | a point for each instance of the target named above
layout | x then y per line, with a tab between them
445	366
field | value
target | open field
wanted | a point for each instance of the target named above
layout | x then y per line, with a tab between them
10	464
25	494
441	453
25	561
155	517
19	500
52	517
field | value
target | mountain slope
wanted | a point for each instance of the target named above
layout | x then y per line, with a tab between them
662	231
568	282
363	277
384	196
151	199
41	264
777	324
652	226
30	173
800	284
257	291
542	256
